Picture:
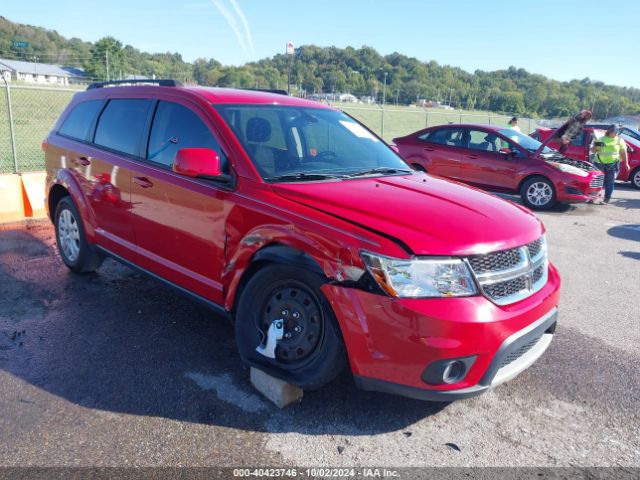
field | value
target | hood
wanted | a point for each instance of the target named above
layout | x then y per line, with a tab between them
427	215
566	132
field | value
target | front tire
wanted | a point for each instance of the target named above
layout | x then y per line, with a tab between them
634	178
76	253
538	193
311	352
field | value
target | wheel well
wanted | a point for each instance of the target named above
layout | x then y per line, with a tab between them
57	193
275	254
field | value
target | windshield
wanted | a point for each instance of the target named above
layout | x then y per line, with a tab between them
301	143
528	143
631	132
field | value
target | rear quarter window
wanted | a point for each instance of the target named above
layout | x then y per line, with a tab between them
80	121
451	137
122	125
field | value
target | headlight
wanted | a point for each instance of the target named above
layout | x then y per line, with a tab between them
420	278
570	169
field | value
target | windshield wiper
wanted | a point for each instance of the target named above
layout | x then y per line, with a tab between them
382	170
297	177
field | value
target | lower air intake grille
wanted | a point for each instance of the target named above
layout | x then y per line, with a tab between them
515	354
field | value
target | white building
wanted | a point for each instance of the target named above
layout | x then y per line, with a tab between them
347	97
41	73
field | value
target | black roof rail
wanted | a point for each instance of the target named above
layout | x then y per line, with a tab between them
267	90
144	81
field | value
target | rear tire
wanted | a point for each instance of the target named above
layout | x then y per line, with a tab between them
634	178
538	193
312	351
76	253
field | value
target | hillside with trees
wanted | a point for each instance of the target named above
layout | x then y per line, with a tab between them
334	70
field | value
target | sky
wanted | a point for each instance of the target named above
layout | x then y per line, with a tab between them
562	40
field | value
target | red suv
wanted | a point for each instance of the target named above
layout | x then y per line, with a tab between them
501	159
307	230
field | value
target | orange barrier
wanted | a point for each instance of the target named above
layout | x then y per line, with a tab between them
21	196
33	193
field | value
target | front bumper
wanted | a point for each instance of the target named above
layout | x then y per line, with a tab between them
391	341
582	189
515	355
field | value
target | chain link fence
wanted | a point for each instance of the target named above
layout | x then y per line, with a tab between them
32	112
397	121
27	115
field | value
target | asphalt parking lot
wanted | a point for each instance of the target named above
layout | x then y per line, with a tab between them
111	369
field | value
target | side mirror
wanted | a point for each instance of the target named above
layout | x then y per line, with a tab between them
199	163
630	149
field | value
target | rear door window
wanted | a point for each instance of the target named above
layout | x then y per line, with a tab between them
483	141
174	127
447	136
122	124
80	121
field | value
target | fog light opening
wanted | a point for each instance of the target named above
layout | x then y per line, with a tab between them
454	372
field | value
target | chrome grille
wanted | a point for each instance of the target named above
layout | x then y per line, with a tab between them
511	275
506	289
496	261
597	181
534	248
537	273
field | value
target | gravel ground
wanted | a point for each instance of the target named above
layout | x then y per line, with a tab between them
110	369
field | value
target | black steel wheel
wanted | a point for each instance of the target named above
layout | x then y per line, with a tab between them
311	352
302	316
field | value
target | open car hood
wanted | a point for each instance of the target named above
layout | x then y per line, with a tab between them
566	132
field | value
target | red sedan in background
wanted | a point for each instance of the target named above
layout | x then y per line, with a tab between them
501	159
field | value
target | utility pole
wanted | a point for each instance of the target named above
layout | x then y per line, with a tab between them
35	66
108	65
289	52
289	76
384	99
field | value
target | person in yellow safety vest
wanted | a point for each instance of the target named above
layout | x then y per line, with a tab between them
610	150
513	124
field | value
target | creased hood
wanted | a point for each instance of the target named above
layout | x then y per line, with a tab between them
430	216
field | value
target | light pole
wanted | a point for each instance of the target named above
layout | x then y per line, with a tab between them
384	99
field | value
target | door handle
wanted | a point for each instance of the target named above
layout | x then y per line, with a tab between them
84	161
427	149
473	157
144	182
